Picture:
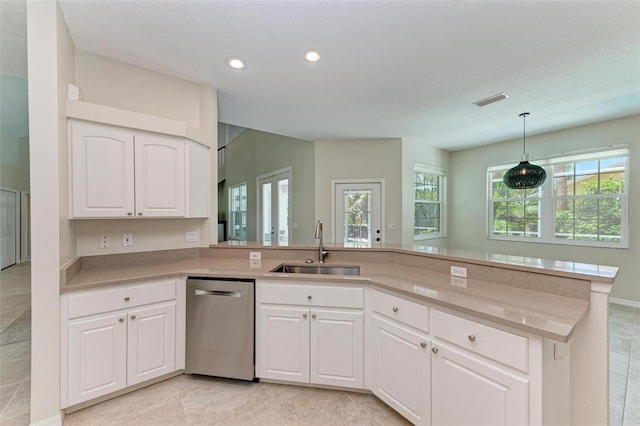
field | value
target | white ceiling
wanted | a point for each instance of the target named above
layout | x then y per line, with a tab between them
388	68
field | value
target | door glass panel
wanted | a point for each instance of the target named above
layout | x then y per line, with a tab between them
357	218
266	212
283	211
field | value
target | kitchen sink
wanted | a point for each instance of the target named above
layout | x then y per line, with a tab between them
317	269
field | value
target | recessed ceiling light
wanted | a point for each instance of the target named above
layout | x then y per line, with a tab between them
491	99
235	63
312	56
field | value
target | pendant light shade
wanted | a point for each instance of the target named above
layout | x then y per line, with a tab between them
525	175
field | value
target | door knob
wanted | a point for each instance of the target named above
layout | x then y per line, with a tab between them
423	344
133	317
395	309
313	316
126	299
304	315
434	350
472	338
121	319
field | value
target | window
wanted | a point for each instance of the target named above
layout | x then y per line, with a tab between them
583	202
238	212
429	193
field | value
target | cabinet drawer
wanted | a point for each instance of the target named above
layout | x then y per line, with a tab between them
401	310
111	299
306	295
502	346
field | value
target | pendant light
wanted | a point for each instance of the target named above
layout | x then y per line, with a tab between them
524	175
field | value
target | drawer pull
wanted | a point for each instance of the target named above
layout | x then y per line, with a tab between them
423	344
395	309
126	299
309	297
121	319
129	214
139	213
313	316
434	350
133	317
304	315
472	338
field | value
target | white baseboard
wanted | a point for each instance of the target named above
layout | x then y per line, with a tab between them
50	421
624	302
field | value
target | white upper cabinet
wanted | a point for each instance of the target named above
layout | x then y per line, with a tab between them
102	171
117	172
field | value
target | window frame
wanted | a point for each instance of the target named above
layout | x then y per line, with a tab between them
547	211
230	233
442	195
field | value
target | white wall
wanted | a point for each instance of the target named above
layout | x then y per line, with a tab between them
117	84
417	151
360	159
50	55
468	198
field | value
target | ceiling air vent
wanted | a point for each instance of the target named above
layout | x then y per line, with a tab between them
491	99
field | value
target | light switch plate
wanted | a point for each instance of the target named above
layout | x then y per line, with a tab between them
459	271
191	236
255	255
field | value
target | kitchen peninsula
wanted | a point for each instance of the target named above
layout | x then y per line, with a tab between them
531	333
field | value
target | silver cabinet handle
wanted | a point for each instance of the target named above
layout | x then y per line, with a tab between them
200	292
434	350
129	213
472	338
133	317
423	344
126	299
121	319
304	315
309	297
395	309
313	316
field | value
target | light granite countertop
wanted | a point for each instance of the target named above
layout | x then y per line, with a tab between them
549	315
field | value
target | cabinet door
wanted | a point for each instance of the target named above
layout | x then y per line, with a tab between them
199	177
284	340
160	175
467	391
402	370
97	354
337	348
102	171
151	342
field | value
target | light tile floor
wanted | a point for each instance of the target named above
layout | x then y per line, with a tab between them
196	400
15	344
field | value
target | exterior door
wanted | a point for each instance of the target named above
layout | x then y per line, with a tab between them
8	228
358	214
274	204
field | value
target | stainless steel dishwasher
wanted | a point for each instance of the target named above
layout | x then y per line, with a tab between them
220	327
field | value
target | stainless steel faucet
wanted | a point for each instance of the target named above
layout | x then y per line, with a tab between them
322	253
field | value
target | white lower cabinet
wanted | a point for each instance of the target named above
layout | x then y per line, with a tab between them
114	338
401	361
307	338
467	391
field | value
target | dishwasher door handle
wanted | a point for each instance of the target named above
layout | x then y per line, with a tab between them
224	293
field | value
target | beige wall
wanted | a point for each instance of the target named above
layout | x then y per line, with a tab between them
467	187
360	159
417	151
255	153
113	83
14	137
14	162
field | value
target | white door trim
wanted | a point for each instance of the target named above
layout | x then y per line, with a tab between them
25	253
335	182
17	222
288	170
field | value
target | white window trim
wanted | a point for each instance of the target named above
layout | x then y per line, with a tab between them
547	215
230	235
442	173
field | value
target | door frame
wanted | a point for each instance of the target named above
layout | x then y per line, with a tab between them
335	182
17	229
25	230
259	231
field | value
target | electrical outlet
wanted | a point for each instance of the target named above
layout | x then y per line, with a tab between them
255	255
127	240
458	282
104	241
459	271
191	237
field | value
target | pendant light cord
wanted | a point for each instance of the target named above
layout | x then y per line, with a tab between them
524	133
